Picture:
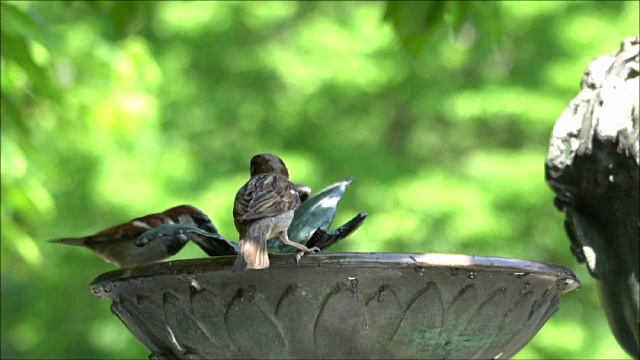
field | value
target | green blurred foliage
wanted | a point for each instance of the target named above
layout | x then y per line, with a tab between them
113	110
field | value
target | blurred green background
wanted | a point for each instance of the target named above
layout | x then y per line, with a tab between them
116	110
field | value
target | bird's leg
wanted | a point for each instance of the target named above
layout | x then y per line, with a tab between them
303	249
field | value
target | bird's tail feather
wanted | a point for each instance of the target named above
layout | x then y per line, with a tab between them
252	255
69	241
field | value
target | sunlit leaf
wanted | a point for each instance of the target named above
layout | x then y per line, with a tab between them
17	23
127	17
456	14
415	21
12	111
16	48
490	19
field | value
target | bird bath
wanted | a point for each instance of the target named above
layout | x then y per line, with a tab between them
337	305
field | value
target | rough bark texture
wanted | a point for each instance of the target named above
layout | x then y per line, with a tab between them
593	167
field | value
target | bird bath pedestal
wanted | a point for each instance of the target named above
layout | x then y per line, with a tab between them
340	305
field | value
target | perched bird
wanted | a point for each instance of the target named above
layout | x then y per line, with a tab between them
117	244
264	209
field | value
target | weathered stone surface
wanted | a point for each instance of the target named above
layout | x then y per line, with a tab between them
354	305
593	167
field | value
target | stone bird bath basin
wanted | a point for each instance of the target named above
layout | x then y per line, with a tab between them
338	305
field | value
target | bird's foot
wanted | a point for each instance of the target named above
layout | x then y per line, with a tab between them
309	250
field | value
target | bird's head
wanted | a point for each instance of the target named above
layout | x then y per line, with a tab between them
267	164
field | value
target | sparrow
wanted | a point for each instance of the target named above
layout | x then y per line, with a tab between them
117	244
263	208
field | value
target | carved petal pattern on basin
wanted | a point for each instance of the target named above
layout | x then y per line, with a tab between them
338	306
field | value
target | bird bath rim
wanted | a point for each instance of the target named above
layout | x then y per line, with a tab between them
350	259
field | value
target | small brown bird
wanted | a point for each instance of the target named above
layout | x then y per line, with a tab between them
117	244
263	209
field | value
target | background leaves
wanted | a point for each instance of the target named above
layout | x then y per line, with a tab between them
439	111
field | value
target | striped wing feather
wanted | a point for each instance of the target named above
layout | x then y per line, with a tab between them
265	196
